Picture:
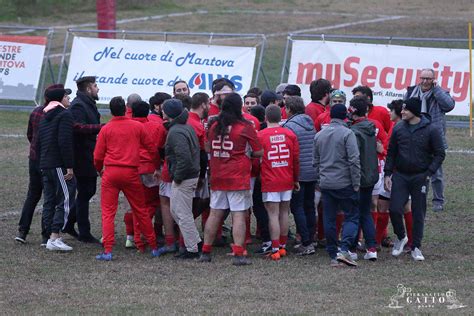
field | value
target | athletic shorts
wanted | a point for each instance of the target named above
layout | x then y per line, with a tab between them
203	192
236	201
378	188
283	196
165	189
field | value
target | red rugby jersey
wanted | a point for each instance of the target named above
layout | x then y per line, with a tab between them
280	161
230	162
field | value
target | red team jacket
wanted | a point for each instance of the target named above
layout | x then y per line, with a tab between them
117	143
157	133
280	161
230	163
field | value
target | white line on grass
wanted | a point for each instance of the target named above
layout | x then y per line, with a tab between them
12	135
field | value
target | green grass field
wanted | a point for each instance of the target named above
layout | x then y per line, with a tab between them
36	281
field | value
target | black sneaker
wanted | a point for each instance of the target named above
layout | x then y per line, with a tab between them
188	255
88	239
205	257
265	249
21	238
241	261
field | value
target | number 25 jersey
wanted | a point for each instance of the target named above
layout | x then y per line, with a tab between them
280	161
230	156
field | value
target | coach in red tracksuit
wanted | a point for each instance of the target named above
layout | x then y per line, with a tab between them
118	148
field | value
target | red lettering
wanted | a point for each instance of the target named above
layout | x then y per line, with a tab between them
383	77
445	75
401	83
460	88
309	71
369	73
336	78
351	71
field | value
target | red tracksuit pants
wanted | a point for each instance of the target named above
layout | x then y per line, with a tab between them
127	180
152	201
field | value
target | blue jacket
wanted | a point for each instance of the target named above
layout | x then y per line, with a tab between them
303	126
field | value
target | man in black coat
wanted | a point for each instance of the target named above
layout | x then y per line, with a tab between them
416	150
86	127
56	159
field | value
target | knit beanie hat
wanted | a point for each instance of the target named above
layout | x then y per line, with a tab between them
173	108
414	106
56	94
338	111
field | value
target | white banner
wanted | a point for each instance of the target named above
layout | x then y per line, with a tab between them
21	59
387	69
123	67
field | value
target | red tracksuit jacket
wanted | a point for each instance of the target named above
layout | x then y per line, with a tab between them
117	144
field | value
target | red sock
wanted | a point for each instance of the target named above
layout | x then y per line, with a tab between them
238	250
128	220
381	227
320	223
206	248
409	227
339	222
169	240
283	241
275	244
374	217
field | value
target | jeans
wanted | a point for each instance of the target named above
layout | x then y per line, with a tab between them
58	200
404	185
86	188
366	222
35	189
302	207
347	200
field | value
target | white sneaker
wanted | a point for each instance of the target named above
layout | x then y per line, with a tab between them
398	246
370	255
57	244
353	255
417	255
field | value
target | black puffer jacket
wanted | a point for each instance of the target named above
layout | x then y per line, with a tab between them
55	139
182	149
84	111
418	151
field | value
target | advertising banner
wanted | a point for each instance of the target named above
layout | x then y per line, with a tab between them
123	67
21	59
387	69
